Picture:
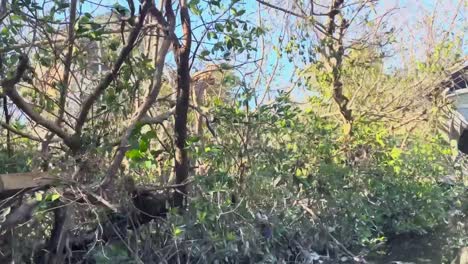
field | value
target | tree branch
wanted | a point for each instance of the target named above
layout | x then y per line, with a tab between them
282	9
21	133
157	119
182	103
105	82
9	89
67	64
150	99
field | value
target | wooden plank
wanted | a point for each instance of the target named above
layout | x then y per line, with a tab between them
18	181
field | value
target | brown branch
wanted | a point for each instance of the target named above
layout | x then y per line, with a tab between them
20	70
67	64
58	236
282	9
55	43
106	81
10	90
3	10
165	187
21	133
159	118
182	103
314	216
333	56
150	99
7	122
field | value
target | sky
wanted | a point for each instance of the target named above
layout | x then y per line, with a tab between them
408	17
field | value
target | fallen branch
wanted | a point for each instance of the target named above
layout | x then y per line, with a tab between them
338	243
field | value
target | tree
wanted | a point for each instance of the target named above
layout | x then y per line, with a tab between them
135	107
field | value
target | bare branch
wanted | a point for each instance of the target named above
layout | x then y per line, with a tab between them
282	9
159	118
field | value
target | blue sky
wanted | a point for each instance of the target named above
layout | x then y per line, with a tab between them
409	17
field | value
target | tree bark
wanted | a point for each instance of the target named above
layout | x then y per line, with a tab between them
56	243
182	105
7	114
150	97
333	56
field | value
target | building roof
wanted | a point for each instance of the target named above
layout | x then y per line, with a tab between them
458	79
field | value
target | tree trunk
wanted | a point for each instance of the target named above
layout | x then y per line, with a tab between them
182	105
56	243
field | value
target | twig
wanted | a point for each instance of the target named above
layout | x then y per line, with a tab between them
338	243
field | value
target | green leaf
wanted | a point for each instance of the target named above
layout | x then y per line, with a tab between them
230	236
150	134
120	9
241	12
219	27
194	2
193	139
193	5
133	154
395	153
143	145
38	196
201	216
212	35
204	53
62	5
148	164
177	231
52	197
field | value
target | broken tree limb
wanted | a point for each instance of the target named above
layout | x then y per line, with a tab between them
18	181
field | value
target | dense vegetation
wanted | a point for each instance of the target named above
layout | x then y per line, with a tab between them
225	131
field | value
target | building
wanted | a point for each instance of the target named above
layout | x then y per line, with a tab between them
456	87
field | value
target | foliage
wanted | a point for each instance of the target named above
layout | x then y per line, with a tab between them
387	191
267	182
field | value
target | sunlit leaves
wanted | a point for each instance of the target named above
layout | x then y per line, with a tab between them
231	34
41	196
85	27
177	231
193	6
143	153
